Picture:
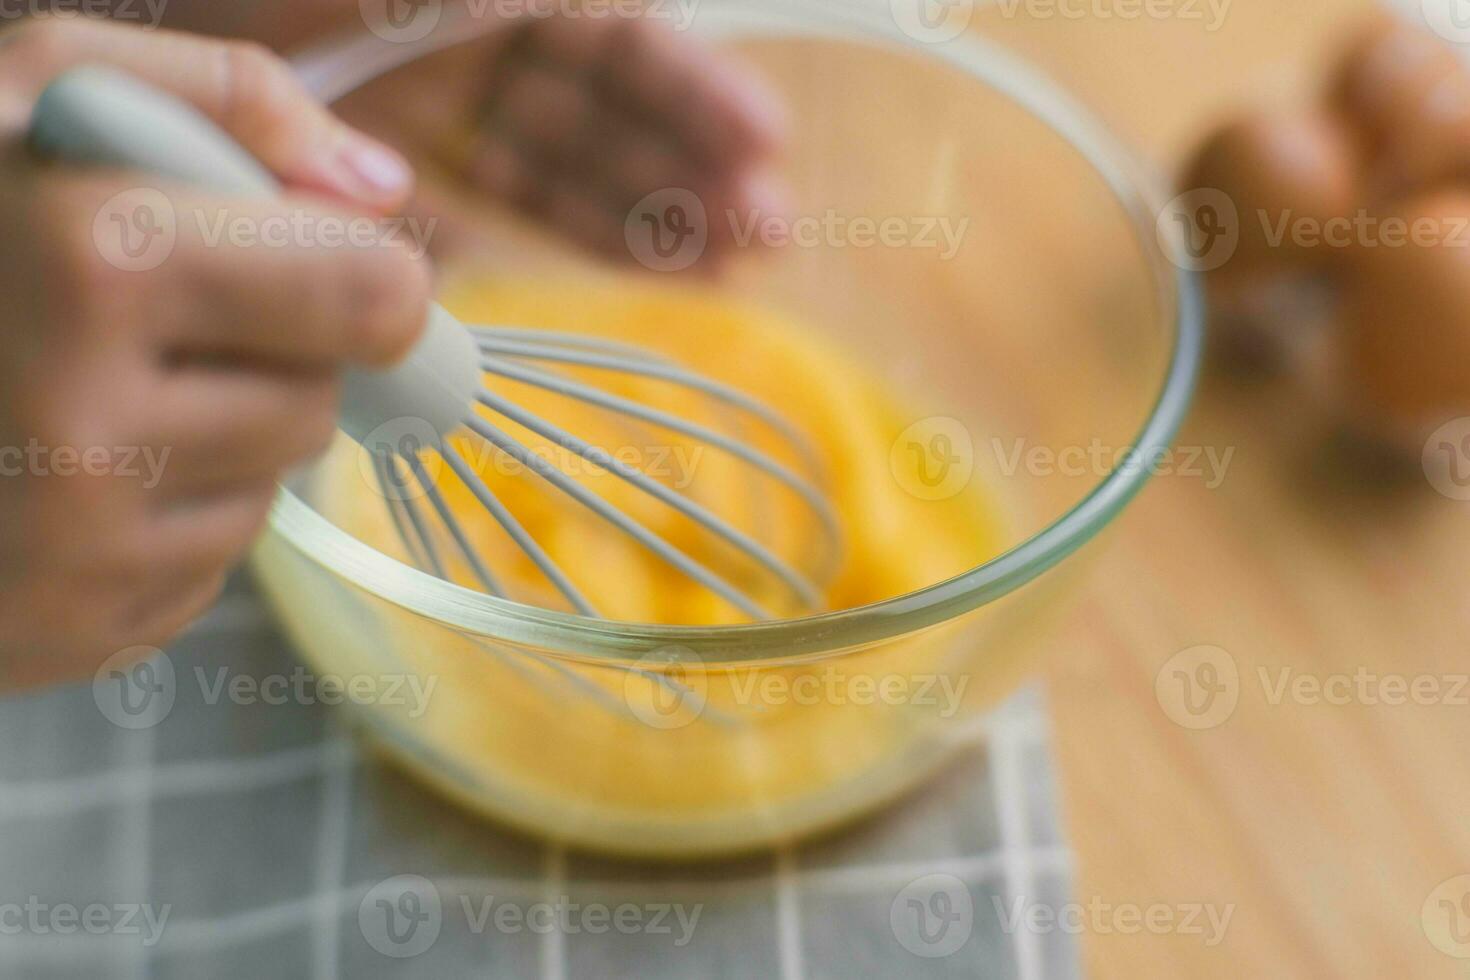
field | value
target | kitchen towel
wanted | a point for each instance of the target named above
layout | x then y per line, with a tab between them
236	829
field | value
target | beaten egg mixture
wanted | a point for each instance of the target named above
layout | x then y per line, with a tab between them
568	747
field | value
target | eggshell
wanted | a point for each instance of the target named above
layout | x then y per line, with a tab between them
1286	175
1406	317
1407	95
1293	180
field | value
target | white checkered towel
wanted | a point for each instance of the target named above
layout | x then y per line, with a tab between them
227	839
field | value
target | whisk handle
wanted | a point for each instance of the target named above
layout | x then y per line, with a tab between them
104	117
99	116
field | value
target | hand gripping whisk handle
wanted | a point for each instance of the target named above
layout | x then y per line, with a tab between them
97	115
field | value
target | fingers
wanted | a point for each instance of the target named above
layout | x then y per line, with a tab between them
287	282
587	117
224	429
118	575
672	83
49	642
323	305
211	533
724	116
162	611
548	109
244	88
185	366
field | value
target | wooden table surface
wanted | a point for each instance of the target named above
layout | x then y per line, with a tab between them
1325	826
1325	829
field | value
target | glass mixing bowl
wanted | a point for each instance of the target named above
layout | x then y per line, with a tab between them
1055	337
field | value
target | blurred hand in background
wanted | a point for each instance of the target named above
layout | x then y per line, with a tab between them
570	118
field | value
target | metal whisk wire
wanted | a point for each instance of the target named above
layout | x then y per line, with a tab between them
96	115
505	353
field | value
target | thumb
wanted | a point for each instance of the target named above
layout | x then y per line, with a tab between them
248	91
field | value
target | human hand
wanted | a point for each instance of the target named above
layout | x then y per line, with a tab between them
157	375
575	120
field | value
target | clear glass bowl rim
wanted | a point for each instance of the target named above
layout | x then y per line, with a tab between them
334	70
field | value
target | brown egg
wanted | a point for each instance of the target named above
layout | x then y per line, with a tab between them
1407	94
1287	176
1293	181
1406	318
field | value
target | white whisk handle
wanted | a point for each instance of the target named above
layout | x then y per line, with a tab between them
97	115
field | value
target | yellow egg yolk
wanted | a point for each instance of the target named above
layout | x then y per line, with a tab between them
890	540
579	747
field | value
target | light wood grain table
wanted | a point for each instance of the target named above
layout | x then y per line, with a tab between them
1325	826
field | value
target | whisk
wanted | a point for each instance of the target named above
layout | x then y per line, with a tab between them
93	114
